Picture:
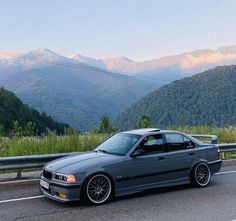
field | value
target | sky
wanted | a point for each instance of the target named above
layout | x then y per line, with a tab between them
137	29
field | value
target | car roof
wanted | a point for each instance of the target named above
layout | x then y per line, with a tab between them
146	131
142	131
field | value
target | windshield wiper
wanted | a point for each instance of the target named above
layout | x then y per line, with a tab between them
107	152
104	151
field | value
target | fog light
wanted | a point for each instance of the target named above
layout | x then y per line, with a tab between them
62	195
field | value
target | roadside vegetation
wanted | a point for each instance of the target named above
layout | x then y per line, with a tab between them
51	143
25	142
22	143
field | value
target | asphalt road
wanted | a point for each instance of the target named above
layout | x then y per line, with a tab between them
216	202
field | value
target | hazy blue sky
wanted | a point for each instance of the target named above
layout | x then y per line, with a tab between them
139	29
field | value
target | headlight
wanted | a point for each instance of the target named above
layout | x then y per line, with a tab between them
71	178
65	177
60	176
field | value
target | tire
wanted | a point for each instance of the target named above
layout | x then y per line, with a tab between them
201	175
97	189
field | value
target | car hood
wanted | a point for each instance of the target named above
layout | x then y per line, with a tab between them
72	163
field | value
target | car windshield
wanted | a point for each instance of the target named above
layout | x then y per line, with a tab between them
118	144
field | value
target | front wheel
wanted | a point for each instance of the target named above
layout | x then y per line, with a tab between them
201	175
98	189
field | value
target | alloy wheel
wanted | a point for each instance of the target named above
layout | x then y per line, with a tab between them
98	189
202	174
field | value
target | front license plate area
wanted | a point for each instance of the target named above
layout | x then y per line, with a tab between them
44	184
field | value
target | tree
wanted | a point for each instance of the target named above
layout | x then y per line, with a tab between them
1	130
144	122
17	129
29	129
106	125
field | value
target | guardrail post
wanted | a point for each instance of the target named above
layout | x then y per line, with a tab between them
223	155
18	176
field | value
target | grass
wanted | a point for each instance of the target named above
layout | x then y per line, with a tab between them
18	146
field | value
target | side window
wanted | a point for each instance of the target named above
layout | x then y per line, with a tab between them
175	142
153	144
188	143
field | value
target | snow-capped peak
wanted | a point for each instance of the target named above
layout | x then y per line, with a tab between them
43	53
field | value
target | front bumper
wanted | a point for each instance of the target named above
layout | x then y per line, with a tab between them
57	189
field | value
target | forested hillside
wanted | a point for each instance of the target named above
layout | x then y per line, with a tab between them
207	98
14	115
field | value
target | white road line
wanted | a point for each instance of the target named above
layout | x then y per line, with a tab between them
41	196
18	181
226	172
20	199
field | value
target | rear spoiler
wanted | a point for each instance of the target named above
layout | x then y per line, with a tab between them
213	138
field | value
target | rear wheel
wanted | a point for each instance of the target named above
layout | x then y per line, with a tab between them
98	189
201	175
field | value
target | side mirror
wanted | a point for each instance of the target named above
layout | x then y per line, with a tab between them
190	145
137	152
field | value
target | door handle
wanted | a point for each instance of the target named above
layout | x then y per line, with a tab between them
161	158
191	153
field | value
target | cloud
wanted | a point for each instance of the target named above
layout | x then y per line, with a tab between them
211	58
7	53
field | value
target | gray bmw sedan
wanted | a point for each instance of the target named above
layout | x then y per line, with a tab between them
130	162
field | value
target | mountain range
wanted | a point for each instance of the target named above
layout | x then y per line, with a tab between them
169	68
208	98
166	69
67	90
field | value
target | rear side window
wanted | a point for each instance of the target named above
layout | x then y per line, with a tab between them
175	142
153	144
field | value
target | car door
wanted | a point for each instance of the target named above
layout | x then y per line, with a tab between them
181	155
146	168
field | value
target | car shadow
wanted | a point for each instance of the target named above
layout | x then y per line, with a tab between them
155	191
162	190
145	193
